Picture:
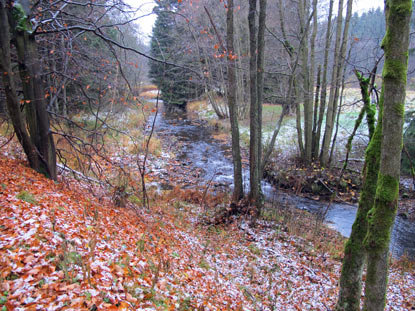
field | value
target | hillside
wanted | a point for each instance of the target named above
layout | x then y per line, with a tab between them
64	249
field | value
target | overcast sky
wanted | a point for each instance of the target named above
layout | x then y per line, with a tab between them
146	7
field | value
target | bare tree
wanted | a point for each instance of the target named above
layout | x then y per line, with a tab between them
232	89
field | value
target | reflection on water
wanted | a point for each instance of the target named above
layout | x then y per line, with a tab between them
198	147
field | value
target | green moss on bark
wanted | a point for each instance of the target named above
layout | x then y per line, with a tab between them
21	19
403	9
388	188
400	109
395	69
382	216
354	252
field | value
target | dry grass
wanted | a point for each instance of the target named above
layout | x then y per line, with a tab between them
154	147
198	105
305	225
136	120
149	94
148	87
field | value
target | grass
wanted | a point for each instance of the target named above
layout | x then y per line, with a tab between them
148	87
27	197
303	224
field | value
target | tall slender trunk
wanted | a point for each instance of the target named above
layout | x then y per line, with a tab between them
341	59
341	69
312	80
307	97
324	155
315	112
241	100
382	216
323	96
236	153
288	100
253	86
339	110
260	82
298	122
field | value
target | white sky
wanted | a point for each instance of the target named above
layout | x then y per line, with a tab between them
146	6
364	5
146	22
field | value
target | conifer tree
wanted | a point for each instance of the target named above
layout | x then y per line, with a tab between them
174	82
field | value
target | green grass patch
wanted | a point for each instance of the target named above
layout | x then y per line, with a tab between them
27	197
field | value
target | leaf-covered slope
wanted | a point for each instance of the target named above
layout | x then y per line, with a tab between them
62	249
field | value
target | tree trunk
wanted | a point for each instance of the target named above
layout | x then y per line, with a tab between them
12	101
289	98
323	97
260	84
255	185
270	146
354	253
382	216
314	150
38	146
339	110
236	153
342	66
34	95
324	155
313	67
306	72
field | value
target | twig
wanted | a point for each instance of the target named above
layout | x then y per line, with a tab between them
90	179
8	141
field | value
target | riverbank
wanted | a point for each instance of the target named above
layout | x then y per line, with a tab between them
285	172
61	247
65	245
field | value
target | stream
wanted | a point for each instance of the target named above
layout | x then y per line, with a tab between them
212	159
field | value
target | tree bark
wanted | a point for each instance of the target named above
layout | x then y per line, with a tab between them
323	96
253	113
12	101
341	71
236	153
315	114
306	72
34	95
260	83
255	71
324	155
38	143
382	216
354	253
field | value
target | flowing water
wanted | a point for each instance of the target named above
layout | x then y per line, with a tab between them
212	158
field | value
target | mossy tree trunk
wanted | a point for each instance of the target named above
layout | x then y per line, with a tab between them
37	116
354	253
382	216
33	133
12	100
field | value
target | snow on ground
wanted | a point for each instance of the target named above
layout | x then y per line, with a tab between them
64	249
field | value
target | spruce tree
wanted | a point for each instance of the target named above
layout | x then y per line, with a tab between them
175	83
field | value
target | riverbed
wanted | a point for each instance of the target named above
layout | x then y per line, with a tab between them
194	145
